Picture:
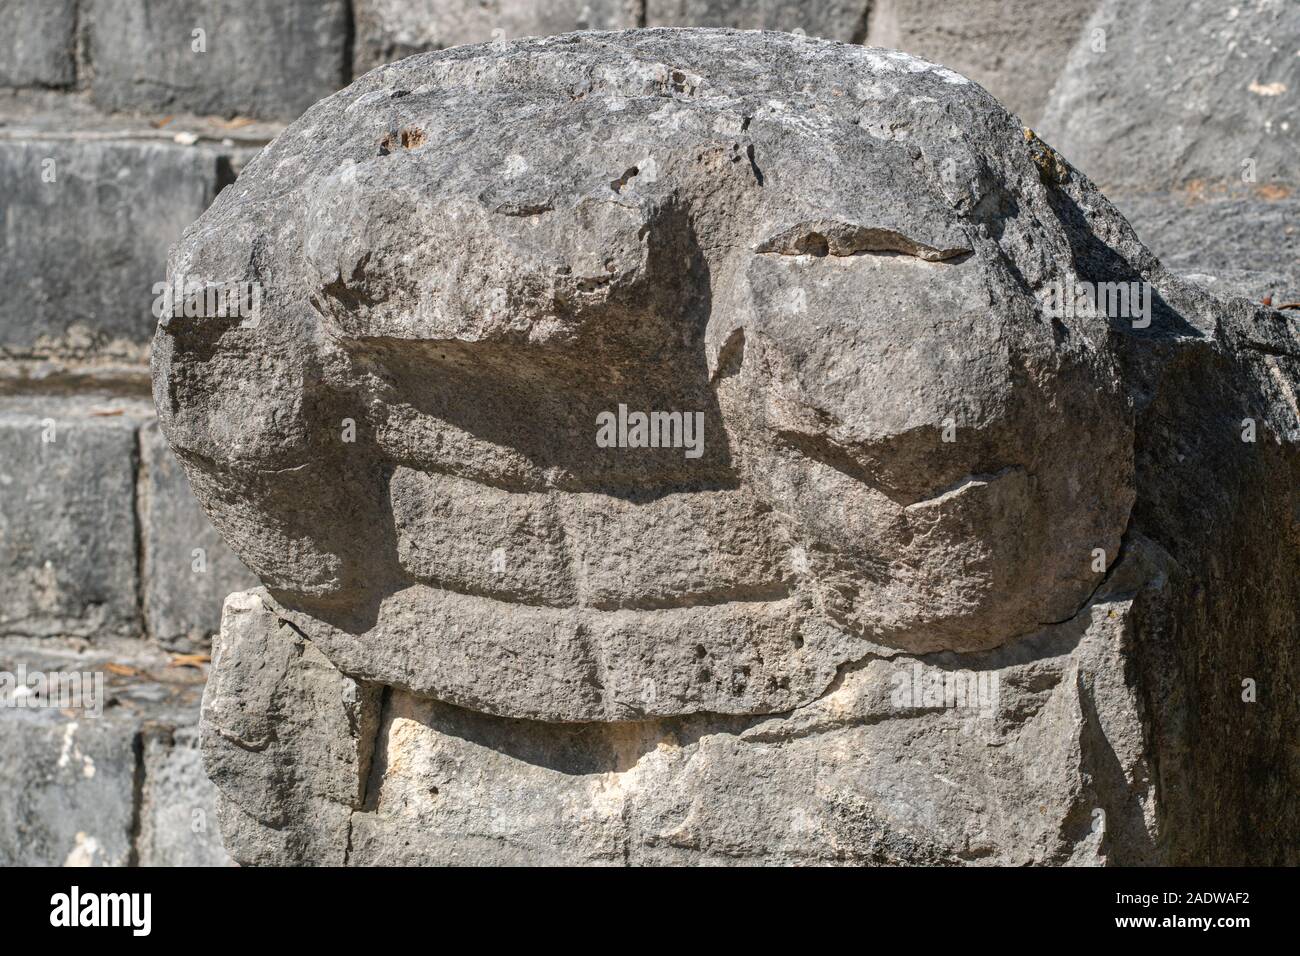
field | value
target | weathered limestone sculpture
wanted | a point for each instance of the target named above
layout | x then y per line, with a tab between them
949	576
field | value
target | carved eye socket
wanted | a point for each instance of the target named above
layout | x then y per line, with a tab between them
837	238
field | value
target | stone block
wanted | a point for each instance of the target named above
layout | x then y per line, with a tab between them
963	568
844	20
37	43
1015	49
188	570
66	790
67	516
88	225
178	813
1182	94
266	60
389	30
1234	245
284	734
107	778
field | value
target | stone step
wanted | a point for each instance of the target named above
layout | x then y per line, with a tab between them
99	533
88	224
114	776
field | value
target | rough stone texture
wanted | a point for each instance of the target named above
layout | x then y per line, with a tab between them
388	30
844	20
82	253
450	786
288	735
67	516
1245	245
121	788
1014	48
86	242
486	639
268	60
181	588
96	529
1196	147
65	796
178	813
98	526
1224	91
36	47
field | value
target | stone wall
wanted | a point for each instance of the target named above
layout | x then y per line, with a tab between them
119	124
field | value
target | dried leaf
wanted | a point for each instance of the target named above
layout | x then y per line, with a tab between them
188	660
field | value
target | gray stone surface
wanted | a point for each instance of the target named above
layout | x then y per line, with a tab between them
1222	90
267	60
388	30
67	516
178	812
98	527
187	569
1014	48
1196	145
65	795
37	44
288	737
81	253
450	786
485	637
111	780
1234	245
844	20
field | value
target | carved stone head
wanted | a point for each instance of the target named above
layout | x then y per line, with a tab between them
613	376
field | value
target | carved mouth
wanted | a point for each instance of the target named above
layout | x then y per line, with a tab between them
580	663
560	549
